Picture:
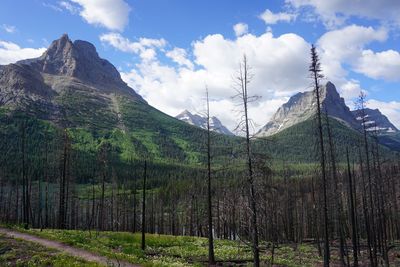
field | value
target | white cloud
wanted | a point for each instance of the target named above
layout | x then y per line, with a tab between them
240	29
112	14
9	28
279	66
349	41
272	18
350	90
346	46
345	49
145	47
335	12
382	65
11	52
390	109
179	56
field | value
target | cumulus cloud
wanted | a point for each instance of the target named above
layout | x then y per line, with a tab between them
112	14
382	65
179	56
240	29
272	18
278	64
335	12
11	52
144	47
350	90
346	46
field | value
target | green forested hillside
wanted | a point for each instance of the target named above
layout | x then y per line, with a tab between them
299	143
143	132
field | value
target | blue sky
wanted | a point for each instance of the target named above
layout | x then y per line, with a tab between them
168	50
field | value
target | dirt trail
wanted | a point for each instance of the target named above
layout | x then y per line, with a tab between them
86	255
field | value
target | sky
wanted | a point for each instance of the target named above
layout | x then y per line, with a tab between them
168	51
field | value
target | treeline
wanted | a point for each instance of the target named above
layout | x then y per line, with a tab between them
54	186
52	178
46	183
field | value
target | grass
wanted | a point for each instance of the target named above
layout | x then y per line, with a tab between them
15	252
165	250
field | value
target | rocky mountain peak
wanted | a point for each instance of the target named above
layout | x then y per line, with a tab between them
58	58
329	91
200	121
302	106
66	71
78	59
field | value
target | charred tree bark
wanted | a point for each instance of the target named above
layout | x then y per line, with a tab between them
315	70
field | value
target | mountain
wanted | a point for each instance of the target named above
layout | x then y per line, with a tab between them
70	87
375	121
293	121
199	121
64	83
70	95
302	107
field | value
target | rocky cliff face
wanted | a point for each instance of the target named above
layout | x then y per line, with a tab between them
199	121
302	106
67	80
375	121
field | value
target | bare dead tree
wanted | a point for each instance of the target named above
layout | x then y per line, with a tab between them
352	212
143	244
242	81
361	105
63	182
316	75
211	257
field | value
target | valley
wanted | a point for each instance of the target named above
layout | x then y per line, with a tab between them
86	161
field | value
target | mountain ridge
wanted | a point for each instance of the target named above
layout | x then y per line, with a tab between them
302	106
375	121
201	122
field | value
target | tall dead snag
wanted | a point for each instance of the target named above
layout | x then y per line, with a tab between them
25	186
336	191
103	162
143	245
63	182
316	75
372	231
352	212
365	208
211	257
242	81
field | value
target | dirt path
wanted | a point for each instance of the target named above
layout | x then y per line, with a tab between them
86	255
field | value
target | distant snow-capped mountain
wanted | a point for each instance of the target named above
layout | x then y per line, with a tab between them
199	121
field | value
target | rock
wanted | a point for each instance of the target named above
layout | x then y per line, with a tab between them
303	106
199	121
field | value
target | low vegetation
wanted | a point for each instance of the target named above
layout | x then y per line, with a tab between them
167	250
15	252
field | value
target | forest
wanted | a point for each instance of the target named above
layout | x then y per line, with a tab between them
338	192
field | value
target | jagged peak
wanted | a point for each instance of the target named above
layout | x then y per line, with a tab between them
200	121
77	59
329	90
301	107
